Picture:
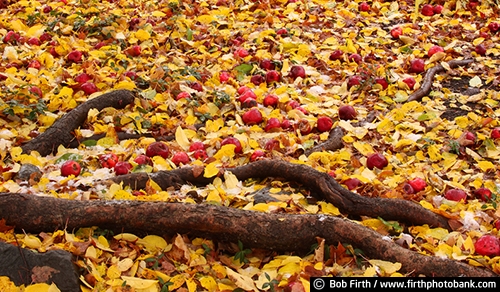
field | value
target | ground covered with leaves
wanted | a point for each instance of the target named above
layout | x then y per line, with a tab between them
190	62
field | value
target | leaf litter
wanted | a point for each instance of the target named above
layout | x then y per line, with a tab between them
185	44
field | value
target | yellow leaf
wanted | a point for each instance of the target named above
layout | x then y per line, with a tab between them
350	48
106	142
211	169
153	243
208	283
138	283
213	196
113	272
125	85
42	287
485	165
181	138
328	208
32	241
386	266
226	151
205	19
158	14
36	30
230	180
8	286
191	285
142	35
177	281
363	148
242	281
18	25
475	82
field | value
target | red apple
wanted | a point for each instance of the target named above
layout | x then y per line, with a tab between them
494	26
410	81
267	64
418	184
75	56
272	144
304	127
408	189
247	94
157	148
198	145
257	155
376	160
34	41
272	76
243	89
487	245
130	74
249	103
35	64
470	136
241	52
336	55
437	9
122	167
36	91
257	79
270	100
133	51
234	141
180	157
480	49
396	32
224	76
282	32
324	124
82	78
427	10
434	49
196	86
252	117
354	81
382	81
272	124
286	125
417	65
11	37
183	94
355	58
363	6
200	154
456	195
108	160
352	183
143	159
347	112
70	167
47	9
89	88
297	71
483	194
495	133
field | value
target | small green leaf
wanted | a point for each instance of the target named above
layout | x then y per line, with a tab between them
69	156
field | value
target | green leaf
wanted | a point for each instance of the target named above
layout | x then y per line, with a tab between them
392	225
244	68
69	156
89	143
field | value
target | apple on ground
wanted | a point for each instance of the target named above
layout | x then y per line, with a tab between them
456	195
363	6
352	183
234	141
224	76
252	117
376	160
270	100
247	94
427	10
249	103
180	157
272	124
35	64
89	87
36	91
297	71
417	65
70	167
354	81
494	26
396	32
483	194
437	9
143	159
272	76
267	64
324	124
382	81
272	144
487	245
495	133
410	81
182	94
75	56
122	167
355	58
257	155
257	79
480	49
157	148
108	160
336	55
347	112
434	49
418	184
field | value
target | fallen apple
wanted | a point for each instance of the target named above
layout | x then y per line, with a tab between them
70	167
252	117
456	195
487	245
376	160
347	112
180	157
157	148
234	141
122	167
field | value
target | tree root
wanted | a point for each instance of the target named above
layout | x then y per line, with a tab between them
61	132
425	88
273	231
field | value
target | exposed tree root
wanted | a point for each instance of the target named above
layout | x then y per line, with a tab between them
273	231
61	132
321	184
425	88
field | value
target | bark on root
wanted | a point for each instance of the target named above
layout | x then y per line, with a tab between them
273	231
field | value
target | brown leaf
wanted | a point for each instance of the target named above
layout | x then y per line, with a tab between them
4	227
